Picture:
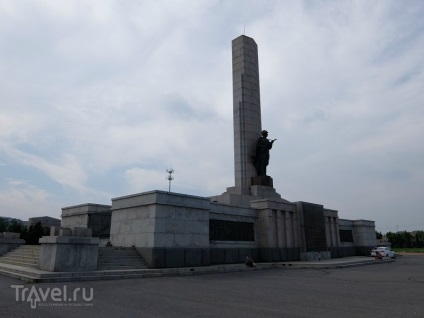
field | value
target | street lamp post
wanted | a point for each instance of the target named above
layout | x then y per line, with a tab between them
170	171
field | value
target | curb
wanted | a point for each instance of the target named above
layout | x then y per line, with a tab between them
36	276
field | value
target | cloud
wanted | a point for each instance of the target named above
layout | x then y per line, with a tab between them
101	97
142	180
66	172
23	200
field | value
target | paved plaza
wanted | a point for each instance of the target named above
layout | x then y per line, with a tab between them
384	290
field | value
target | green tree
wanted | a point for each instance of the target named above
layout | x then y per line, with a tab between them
391	237
378	235
419	239
15	226
34	233
406	239
4	224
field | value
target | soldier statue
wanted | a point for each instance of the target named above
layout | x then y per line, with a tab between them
261	160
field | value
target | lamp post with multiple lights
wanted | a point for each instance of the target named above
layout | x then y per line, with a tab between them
170	171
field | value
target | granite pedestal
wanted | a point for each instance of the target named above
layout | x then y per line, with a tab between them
69	253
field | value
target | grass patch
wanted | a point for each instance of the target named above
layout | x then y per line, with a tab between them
408	250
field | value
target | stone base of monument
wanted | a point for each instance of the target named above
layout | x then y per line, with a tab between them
264	192
242	196
262	181
67	253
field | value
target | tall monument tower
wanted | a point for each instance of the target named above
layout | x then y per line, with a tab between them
246	109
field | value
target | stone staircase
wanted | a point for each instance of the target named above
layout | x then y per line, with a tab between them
119	258
24	255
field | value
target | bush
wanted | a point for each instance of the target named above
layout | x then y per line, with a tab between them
33	234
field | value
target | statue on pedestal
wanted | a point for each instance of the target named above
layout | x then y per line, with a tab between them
261	160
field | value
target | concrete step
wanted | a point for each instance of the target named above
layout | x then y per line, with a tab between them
23	248
104	267
123	258
19	256
20	252
20	263
113	266
122	253
120	264
119	259
28	248
119	255
18	259
22	258
115	249
24	255
111	258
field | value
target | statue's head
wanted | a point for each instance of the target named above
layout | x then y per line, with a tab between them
264	133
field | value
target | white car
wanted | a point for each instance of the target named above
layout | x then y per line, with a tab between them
383	251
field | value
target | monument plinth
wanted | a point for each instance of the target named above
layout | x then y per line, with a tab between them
263	181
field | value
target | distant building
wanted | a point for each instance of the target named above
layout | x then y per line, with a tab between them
46	221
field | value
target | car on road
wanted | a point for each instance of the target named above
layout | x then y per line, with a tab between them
383	251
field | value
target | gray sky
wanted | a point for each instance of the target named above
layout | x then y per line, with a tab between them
99	98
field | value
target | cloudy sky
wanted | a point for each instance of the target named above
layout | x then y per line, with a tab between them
99	98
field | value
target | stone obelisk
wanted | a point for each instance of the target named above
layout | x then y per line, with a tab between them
246	109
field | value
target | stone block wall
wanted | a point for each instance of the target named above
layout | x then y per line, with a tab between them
97	217
363	233
73	250
168	229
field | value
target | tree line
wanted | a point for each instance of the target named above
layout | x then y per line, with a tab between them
404	239
30	234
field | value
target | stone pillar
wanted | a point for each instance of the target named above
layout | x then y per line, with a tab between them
280	228
336	225
328	231
275	230
296	229
246	109
333	232
289	230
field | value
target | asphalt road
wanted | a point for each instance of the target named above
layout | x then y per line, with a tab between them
384	290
